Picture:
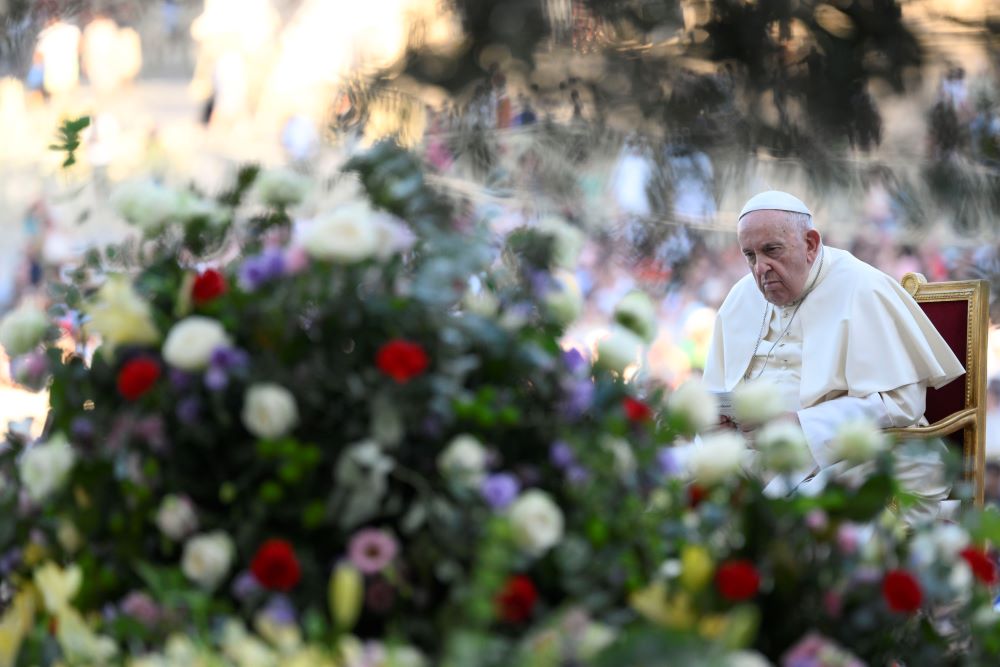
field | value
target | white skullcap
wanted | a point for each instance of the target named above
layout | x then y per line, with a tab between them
775	200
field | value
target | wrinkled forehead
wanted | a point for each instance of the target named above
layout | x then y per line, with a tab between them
760	227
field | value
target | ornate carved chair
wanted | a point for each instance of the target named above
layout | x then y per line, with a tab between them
957	411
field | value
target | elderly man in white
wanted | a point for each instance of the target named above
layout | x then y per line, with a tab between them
838	338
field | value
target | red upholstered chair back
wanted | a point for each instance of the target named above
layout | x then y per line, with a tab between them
957	411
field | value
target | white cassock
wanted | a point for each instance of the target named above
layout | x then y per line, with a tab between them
858	347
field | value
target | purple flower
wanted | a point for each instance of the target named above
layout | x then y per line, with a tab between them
81	430
371	550
577	474
574	360
245	586
578	396
273	262
9	561
228	358
188	410
181	380
259	269
141	607
667	463
280	610
561	454
216	379
500	490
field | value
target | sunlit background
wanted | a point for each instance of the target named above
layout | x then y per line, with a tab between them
184	91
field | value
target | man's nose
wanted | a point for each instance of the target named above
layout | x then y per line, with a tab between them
761	268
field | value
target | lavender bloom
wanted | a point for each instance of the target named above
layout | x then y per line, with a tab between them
181	380
280	610
141	607
561	455
81	430
272	260
216	379
667	463
579	394
252	274
574	360
10	561
188	410
577	474
245	586
500	490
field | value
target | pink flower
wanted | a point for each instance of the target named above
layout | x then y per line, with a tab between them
296	259
371	550
847	538
816	520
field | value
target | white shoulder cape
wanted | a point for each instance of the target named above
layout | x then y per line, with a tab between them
862	333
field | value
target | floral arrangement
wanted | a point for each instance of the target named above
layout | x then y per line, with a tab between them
311	444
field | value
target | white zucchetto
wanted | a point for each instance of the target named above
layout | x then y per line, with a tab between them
775	200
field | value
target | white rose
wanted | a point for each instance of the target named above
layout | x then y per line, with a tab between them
568	240
619	349
207	558
858	441
698	408
176	517
624	458
146	204
783	447
720	456
190	342
44	467
191	206
346	235
120	316
22	329
282	187
950	539
483	303
960	579
757	402
392	236
463	460
637	312
537	522
564	302
269	410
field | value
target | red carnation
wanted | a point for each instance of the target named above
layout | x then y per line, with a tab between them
402	360
901	591
636	410
275	566
982	566
517	599
209	285
137	377
737	580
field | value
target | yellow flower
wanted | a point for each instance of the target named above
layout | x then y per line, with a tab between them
345	591
14	625
58	586
696	568
670	611
712	627
120	315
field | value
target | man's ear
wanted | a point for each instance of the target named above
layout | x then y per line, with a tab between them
813	240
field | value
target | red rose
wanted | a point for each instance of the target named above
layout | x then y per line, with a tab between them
982	566
901	591
402	360
207	286
696	495
137	377
517	599
636	410
275	566
737	580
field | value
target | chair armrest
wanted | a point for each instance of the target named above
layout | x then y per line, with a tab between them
950	424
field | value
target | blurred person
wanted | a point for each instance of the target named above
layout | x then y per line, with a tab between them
99	54
59	49
693	182
840	341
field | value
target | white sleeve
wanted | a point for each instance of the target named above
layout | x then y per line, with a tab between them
903	406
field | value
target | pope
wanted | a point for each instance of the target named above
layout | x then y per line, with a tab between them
839	339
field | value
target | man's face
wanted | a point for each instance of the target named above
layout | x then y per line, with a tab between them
779	252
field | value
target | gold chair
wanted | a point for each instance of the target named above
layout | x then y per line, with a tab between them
957	411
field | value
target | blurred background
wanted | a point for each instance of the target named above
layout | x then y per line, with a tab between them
643	124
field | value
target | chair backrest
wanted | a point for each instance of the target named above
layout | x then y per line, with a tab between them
959	310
